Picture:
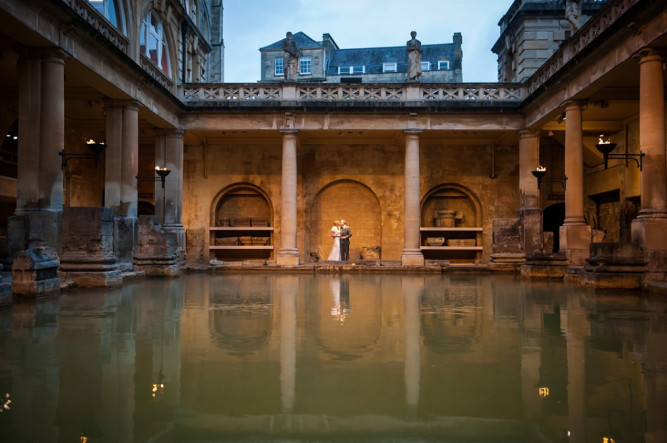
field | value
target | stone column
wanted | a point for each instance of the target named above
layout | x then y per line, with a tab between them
159	194
529	211
649	228
412	255
529	153
112	155
52	133
173	187
130	160
30	74
27	189
575	234
125	235
288	254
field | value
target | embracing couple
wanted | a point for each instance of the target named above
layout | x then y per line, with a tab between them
341	233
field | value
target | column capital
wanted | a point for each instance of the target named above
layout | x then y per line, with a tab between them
413	131
288	131
174	133
529	133
648	54
571	104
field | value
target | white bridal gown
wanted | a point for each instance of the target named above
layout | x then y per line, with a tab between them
335	248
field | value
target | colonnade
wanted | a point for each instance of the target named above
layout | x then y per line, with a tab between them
649	228
39	208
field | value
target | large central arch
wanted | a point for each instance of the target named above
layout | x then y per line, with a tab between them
349	200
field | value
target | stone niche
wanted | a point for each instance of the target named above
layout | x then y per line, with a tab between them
88	257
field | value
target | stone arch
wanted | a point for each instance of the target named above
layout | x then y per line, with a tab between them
357	204
246	196
451	196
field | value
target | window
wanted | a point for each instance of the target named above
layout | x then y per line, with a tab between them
344	70
426	66
111	10
153	43
443	65
389	67
279	67
304	66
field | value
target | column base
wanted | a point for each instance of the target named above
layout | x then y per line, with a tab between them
412	257
125	240
288	257
35	272
575	243
649	233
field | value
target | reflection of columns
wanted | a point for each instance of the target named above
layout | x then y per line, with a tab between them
412	291
652	135
576	329
288	254
130	160
174	186
575	235
531	357
288	290
412	255
112	155
529	150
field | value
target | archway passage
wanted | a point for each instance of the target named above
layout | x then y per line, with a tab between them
354	203
242	225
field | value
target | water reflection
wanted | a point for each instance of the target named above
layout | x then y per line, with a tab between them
278	357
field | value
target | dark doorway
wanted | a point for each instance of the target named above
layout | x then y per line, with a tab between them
552	219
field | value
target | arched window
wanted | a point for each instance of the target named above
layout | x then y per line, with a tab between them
111	10
154	43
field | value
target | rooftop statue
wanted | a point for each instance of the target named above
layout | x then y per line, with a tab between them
414	48
291	58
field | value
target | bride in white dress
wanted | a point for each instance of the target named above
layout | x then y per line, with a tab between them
335	248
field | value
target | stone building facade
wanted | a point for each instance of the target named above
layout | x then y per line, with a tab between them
427	174
325	62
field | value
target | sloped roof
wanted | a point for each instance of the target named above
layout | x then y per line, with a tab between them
373	58
301	39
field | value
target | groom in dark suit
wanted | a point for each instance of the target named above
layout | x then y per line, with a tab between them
345	234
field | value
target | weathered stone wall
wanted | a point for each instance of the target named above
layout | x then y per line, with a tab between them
361	183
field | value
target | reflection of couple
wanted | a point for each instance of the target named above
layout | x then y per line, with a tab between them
341	233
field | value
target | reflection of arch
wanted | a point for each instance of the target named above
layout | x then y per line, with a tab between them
240	315
347	323
552	218
240	200
349	200
450	196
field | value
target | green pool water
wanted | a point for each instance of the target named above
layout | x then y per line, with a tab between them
276	357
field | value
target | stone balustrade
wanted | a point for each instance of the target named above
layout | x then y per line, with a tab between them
489	93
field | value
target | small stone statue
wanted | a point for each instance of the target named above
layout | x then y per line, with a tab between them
573	14
414	48
291	60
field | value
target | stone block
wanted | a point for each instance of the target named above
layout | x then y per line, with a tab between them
195	241
370	252
35	271
88	257
507	235
157	252
125	236
575	242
